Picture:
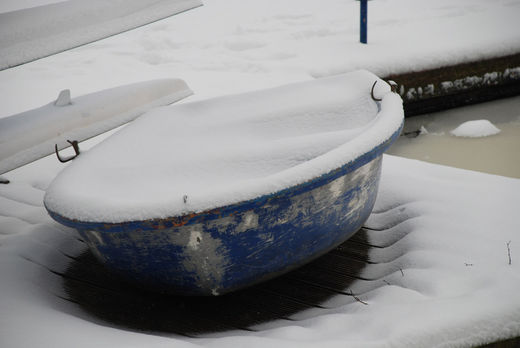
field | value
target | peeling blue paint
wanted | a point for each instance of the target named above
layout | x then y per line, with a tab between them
235	246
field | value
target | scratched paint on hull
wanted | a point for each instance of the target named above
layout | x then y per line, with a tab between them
204	257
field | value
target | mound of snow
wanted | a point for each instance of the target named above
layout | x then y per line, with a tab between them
475	129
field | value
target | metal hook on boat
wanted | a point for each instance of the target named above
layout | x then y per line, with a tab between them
372	92
74	144
393	85
393	88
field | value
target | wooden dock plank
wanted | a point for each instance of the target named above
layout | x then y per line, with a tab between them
100	293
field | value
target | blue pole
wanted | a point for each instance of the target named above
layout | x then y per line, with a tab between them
363	21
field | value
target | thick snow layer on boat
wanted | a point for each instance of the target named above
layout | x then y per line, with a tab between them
475	129
226	150
32	134
36	32
448	282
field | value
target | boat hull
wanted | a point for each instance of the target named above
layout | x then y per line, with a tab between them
226	249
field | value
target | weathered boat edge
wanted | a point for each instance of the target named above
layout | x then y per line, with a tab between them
195	217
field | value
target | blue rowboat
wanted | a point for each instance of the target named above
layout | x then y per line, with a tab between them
232	246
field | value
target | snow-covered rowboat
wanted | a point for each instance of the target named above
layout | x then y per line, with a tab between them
208	197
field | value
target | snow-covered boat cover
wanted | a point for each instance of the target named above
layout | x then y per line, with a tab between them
202	155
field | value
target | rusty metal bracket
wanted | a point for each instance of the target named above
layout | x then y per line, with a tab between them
372	92
74	144
393	85
393	88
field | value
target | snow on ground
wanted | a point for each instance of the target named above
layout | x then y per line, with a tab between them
230	46
14	5
37	32
458	288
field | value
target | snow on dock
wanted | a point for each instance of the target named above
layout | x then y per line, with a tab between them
233	46
431	267
455	85
35	32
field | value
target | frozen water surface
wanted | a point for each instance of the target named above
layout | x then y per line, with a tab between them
496	154
445	277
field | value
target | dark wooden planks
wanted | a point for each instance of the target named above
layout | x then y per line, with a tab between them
103	295
457	85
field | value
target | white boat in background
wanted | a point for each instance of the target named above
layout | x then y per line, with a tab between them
33	134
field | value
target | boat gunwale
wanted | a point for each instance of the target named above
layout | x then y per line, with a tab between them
234	208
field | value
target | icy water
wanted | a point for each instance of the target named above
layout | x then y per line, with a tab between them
496	154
